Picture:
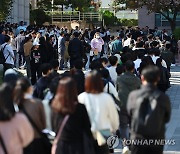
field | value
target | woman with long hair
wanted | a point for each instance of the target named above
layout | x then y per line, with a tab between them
66	103
101	108
33	109
15	130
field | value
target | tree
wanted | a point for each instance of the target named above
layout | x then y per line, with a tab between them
109	18
5	7
45	5
167	8
80	5
62	3
38	16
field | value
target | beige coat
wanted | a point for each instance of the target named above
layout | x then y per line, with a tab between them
16	133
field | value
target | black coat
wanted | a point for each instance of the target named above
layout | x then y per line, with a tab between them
44	53
71	140
50	52
40	87
75	49
164	107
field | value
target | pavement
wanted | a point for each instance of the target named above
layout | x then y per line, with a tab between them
173	127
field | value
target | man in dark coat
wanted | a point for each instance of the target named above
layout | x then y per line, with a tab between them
43	83
75	49
126	83
150	77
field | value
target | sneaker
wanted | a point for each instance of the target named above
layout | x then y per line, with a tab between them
125	150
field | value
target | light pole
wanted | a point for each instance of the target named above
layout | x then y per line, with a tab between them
52	5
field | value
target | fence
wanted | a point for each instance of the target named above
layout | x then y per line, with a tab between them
73	15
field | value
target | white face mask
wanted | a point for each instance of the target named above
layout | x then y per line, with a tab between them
98	37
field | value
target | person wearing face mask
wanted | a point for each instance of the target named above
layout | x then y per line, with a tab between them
96	45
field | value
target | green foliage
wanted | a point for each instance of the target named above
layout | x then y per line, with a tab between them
168	8
128	22
109	18
61	2
177	33
45	5
80	5
5	7
39	17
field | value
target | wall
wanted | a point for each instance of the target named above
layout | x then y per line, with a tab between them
19	11
81	24
146	20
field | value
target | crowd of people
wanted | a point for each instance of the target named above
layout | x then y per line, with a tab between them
85	85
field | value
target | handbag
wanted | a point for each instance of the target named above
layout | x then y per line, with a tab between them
3	145
95	52
100	135
54	147
117	102
40	145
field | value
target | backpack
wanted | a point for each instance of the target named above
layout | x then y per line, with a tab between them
2	57
147	118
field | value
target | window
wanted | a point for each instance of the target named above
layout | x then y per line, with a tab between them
161	21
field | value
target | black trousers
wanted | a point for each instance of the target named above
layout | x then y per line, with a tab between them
35	73
73	61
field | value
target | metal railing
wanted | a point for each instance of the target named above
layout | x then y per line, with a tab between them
73	15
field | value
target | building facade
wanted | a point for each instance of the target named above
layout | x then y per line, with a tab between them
20	12
154	20
122	14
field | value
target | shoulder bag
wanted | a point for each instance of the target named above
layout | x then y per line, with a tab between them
100	135
54	147
40	145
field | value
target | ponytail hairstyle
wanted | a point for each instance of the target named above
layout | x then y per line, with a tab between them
22	85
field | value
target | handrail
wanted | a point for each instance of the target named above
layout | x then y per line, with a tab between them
74	15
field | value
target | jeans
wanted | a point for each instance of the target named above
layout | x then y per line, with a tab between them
124	131
61	57
28	66
17	60
97	56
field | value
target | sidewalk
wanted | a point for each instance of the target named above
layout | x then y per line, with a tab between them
173	127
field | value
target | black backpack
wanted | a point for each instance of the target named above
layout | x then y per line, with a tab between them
2	57
147	119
